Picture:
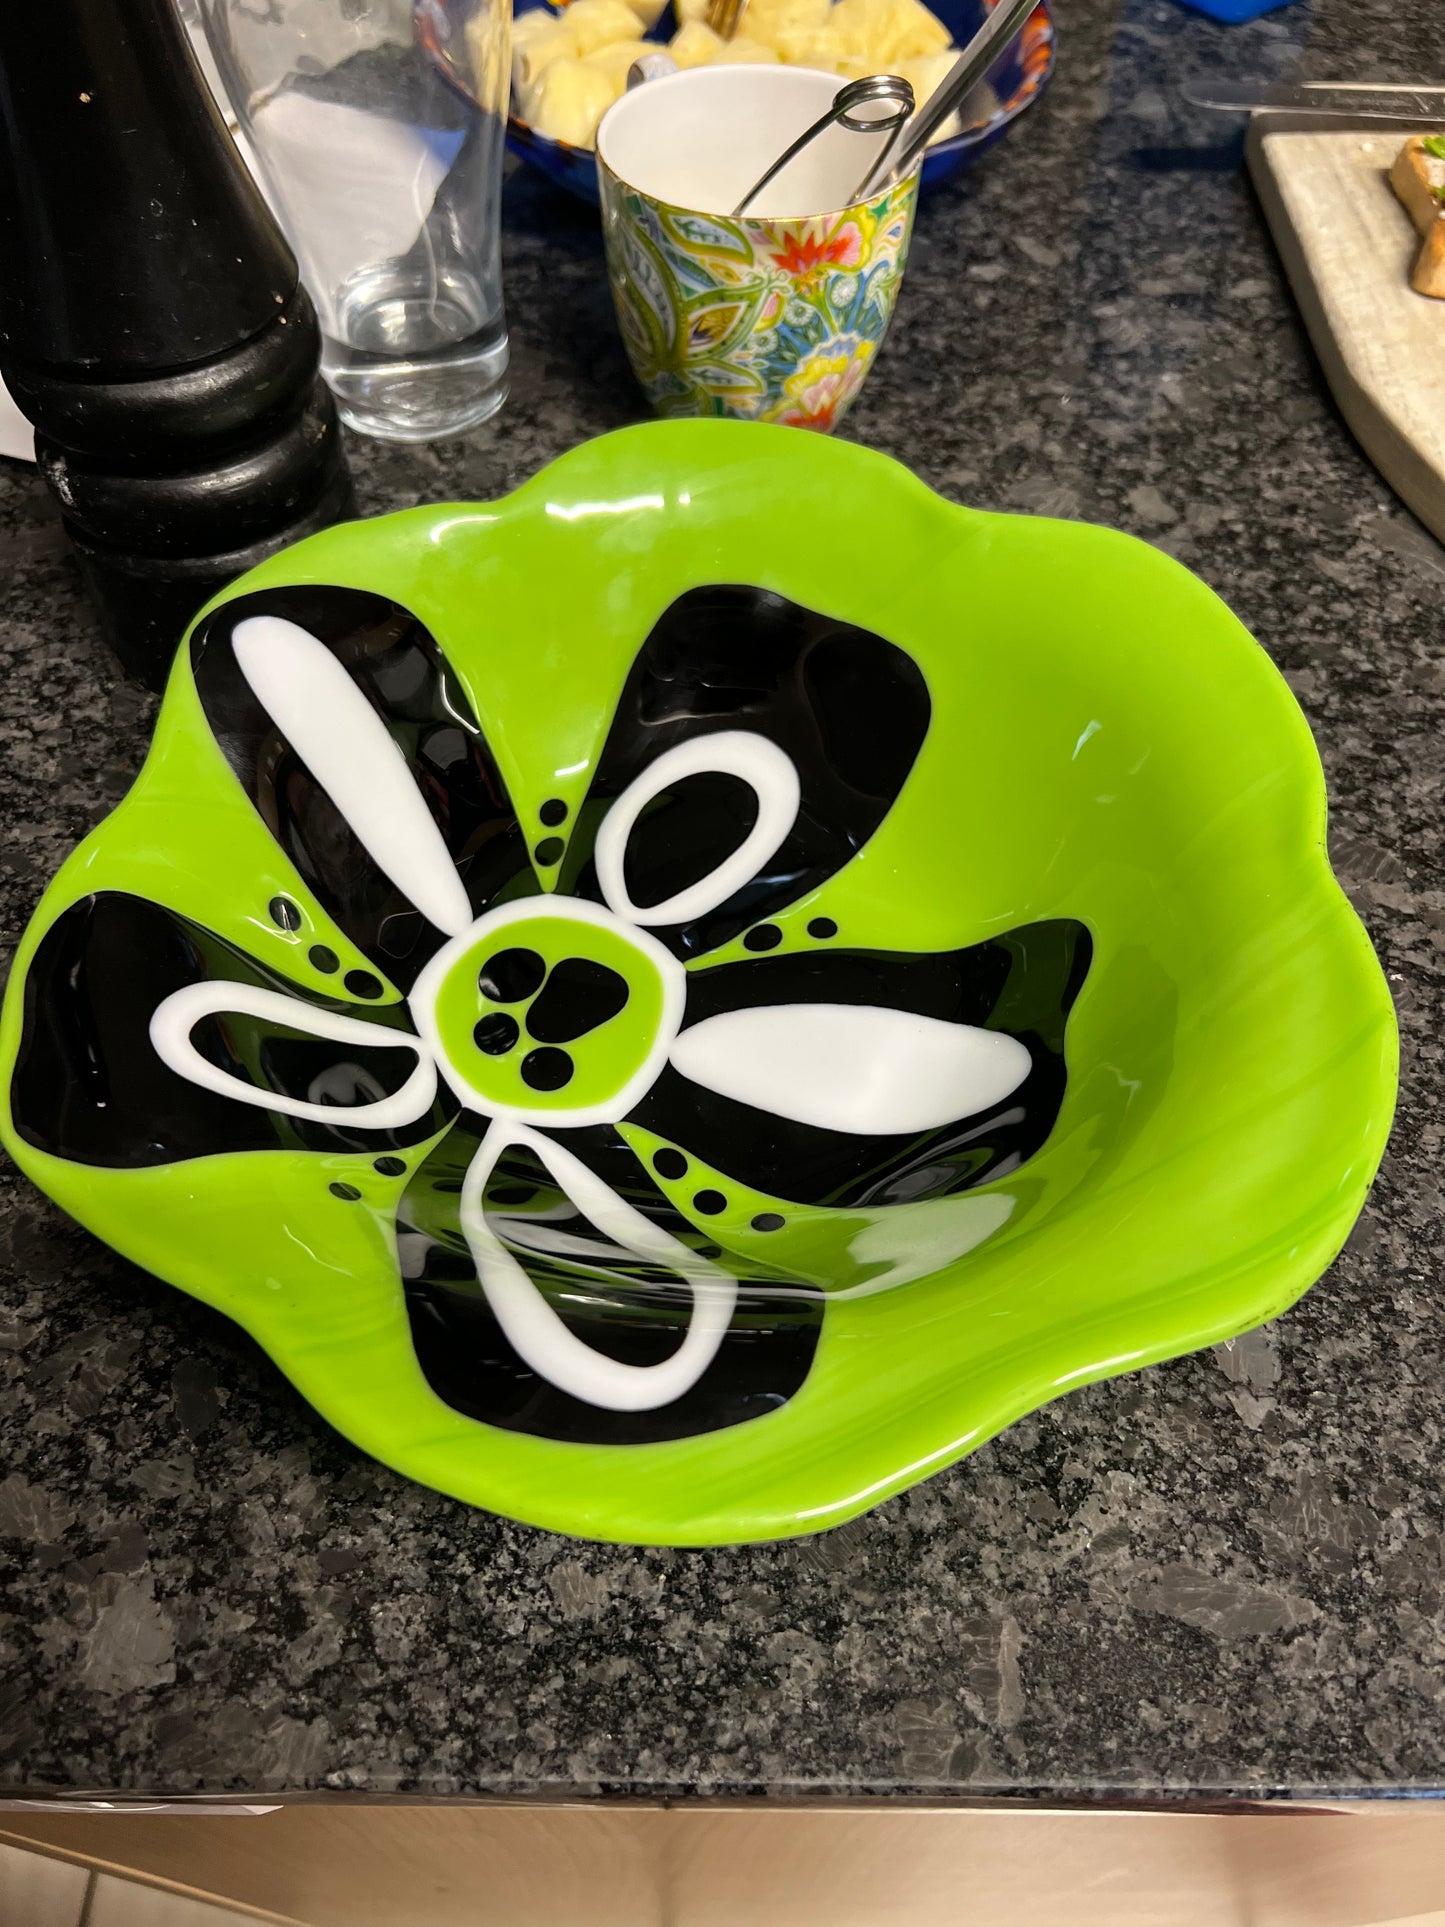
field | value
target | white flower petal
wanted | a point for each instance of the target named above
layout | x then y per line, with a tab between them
765	768
348	749
852	1067
535	1331
177	1016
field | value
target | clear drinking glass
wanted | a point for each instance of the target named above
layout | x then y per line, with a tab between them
386	177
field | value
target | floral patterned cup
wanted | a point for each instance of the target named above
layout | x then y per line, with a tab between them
773	317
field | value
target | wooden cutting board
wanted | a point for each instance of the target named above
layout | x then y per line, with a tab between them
1347	247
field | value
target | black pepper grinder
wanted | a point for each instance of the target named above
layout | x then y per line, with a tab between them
152	326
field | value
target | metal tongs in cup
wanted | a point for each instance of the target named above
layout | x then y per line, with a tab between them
888	92
967	71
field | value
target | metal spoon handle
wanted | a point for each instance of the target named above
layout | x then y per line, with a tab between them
871	91
970	67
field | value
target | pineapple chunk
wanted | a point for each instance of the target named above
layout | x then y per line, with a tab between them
854	66
571	98
536	20
888	31
765	19
648	12
597	23
693	45
614	60
690	10
804	46
743	52
925	76
533	46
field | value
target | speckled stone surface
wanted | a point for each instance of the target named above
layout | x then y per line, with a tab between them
1225	1575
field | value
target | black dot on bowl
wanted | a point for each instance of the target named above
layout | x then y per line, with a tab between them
511	975
496	1033
709	1203
547	1069
549	851
764	936
347	1191
669	1164
448	1186
822	927
553	812
361	983
323	958
768	1221
389	1167
709	1251
579	996
284	913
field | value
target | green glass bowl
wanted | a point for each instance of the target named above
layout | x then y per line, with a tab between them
676	1004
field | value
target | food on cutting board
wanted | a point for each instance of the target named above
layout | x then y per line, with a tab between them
1418	177
569	66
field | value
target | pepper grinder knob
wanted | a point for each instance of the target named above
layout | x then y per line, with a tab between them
152	325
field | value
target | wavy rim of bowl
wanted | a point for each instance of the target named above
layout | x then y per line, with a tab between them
723	1488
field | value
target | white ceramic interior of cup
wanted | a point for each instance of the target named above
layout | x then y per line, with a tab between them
699	139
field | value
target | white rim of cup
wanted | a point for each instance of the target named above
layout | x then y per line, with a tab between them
713	214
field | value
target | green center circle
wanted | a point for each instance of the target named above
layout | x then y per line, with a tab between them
559	1032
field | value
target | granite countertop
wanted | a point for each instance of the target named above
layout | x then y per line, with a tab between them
1220	1576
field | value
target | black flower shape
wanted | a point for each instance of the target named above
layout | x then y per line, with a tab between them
536	1006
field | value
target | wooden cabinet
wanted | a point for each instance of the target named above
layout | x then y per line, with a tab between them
400	1865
